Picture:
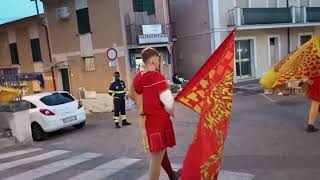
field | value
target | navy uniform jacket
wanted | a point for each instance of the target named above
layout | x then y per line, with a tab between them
117	89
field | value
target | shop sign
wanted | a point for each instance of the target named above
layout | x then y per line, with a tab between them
153	38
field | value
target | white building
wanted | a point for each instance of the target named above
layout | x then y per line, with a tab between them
267	30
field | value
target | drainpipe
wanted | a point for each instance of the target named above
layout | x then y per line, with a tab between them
288	33
174	63
50	55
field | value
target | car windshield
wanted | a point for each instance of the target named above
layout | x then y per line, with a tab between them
57	99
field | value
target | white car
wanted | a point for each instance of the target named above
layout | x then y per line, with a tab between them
53	111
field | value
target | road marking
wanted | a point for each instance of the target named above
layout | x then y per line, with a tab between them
8	165
55	167
223	175
268	98
106	169
228	175
17	153
175	167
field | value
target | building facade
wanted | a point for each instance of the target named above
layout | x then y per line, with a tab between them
24	49
91	39
267	30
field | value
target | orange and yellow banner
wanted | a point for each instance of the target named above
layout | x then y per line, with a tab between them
209	93
302	64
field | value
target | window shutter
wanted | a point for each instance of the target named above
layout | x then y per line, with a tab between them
14	53
36	50
83	21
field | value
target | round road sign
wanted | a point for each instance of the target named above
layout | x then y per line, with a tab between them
112	54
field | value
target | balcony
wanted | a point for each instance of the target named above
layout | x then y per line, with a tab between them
264	18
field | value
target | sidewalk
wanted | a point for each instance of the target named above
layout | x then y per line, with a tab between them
101	104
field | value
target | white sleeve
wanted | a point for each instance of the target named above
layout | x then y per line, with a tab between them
168	101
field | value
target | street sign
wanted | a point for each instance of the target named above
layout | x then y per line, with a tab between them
112	54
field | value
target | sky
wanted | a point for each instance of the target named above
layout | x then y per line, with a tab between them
11	10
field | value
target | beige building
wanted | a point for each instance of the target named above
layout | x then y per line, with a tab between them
24	48
267	30
91	39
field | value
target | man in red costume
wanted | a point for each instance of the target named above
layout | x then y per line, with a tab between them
155	107
314	96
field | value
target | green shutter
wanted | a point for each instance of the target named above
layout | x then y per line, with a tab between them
14	53
36	50
83	21
144	6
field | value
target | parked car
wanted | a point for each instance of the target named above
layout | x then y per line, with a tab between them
53	111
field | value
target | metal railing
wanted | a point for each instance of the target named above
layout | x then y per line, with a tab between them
252	16
9	78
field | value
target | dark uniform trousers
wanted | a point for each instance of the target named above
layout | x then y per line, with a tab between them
119	109
118	92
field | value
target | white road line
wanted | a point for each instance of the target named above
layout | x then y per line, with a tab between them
54	167
175	167
228	175
268	98
106	169
12	164
17	153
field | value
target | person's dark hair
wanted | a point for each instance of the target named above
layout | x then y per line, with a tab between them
116	73
147	53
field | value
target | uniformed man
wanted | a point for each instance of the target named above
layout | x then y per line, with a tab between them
117	90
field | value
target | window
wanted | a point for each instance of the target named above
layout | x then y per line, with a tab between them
304	38
36	50
14	53
89	64
83	21
144	6
57	99
272	41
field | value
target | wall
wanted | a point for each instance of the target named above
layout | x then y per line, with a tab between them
106	27
5	58
295	35
192	26
262	41
64	34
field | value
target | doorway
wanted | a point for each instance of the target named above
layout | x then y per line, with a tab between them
244	51
64	79
274	50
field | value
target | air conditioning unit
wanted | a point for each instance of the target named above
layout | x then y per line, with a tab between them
63	12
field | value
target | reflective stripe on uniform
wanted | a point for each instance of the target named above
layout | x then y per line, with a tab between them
119	92
123	117
116	118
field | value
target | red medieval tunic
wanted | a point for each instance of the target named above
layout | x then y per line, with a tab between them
158	125
314	89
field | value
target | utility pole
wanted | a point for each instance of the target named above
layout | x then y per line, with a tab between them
37	7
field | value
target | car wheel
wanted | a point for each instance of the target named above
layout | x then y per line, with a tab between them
38	133
79	126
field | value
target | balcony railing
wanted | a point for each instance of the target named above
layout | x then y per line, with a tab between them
133	31
312	14
251	16
258	16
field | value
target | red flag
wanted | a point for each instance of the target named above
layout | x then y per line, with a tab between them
209	93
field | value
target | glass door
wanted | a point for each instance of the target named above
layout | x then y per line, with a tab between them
243	59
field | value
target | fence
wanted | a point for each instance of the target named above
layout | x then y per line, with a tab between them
10	78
